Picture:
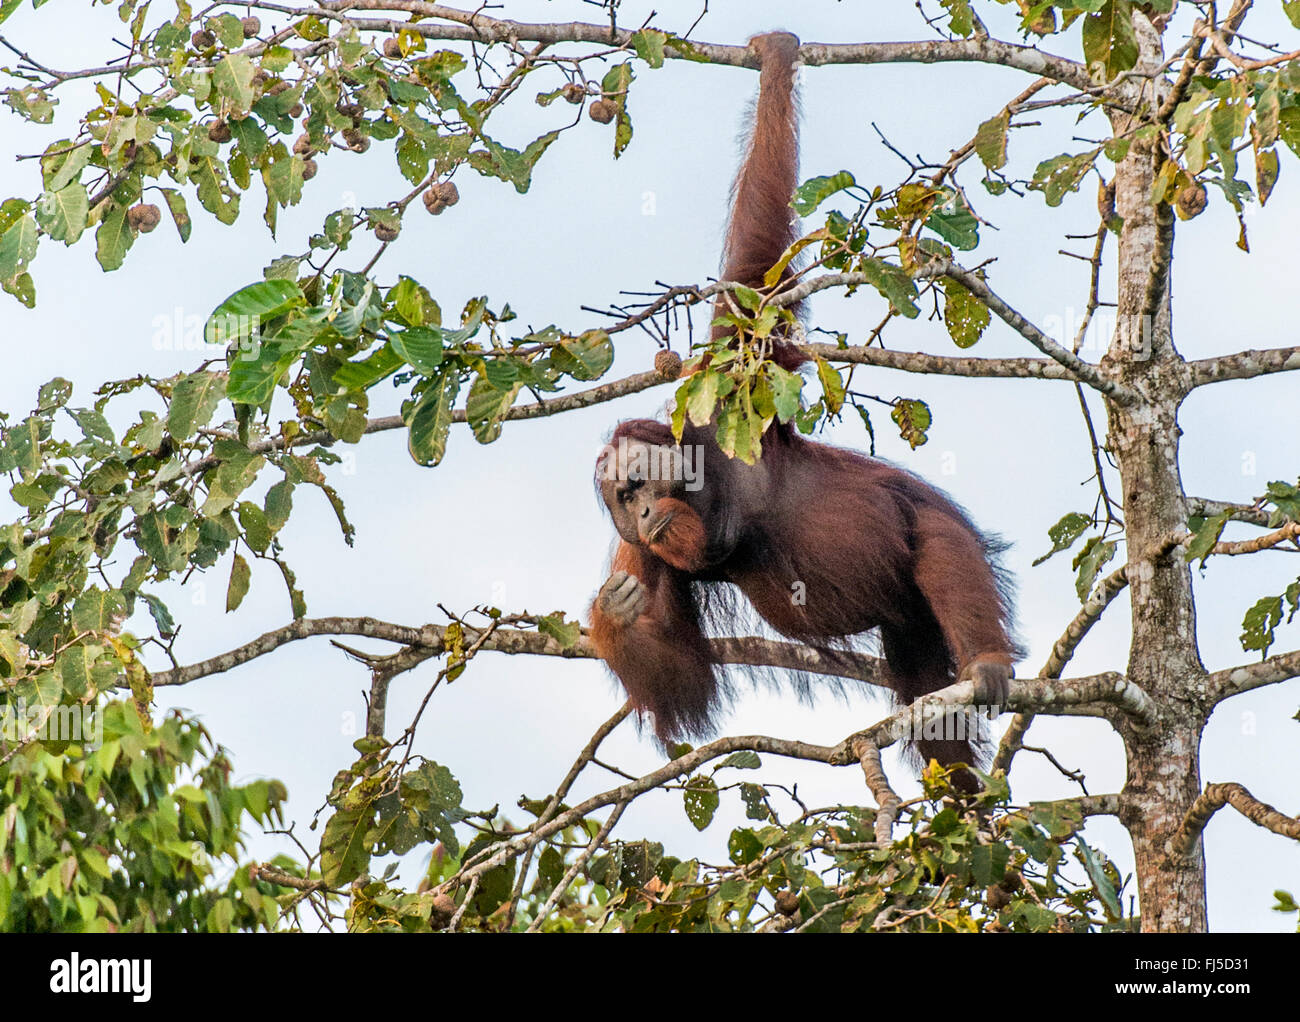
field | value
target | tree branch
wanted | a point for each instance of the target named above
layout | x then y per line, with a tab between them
472	26
1085	697
941	365
1062	653
425	642
873	771
1215	796
533	410
1243	365
1077	369
1207	508
1233	681
1232	548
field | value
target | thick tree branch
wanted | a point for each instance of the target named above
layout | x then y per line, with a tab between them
1233	681
425	642
942	365
1087	696
1207	508
873	771
1214	798
1063	649
1243	365
475	27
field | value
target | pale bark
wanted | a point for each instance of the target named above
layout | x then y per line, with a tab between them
1163	760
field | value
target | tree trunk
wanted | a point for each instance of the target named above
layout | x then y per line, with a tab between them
1163	763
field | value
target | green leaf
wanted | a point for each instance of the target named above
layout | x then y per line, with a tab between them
194	399
566	633
649	46
832	385
614	87
701	801
61	168
1062	174
961	19
237	588
744	760
113	238
894	284
486	407
1064	533
1109	42
233	80
913	420
215	194
739	431
786	390
344	852
816	190
696	399
96	610
509	164
991	140
63	213
243	312
965	316
955	223
257	531
1204	537
585	357
420	347
428	419
279	504
413	304
162	617
236	472
180	213
1266	171
17	247
1096	553
1100	881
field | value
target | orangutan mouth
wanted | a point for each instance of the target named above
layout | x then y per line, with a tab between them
656	531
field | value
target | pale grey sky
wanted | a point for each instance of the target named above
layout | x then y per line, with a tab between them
516	524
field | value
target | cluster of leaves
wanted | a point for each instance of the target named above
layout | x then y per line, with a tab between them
957	866
139	830
381	809
1096	552
331	340
169	487
213	108
1261	621
1216	116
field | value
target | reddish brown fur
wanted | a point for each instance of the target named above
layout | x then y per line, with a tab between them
870	545
683	540
762	224
663	658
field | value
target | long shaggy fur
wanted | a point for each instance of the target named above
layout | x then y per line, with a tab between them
825	544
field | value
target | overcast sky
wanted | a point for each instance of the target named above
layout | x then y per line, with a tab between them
516	524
